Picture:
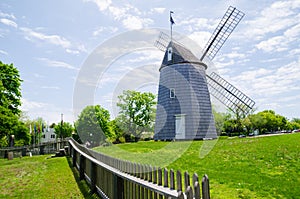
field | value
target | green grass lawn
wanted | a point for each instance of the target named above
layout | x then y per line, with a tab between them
39	177
265	167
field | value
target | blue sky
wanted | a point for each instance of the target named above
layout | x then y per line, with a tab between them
51	43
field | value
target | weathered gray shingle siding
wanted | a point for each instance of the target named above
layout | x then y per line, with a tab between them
191	97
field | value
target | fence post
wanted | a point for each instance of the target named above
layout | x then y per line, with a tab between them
82	167
197	190
205	187
180	195
195	178
74	157
93	177
186	180
166	180
189	192
159	176
118	187
179	181
150	173
70	148
172	180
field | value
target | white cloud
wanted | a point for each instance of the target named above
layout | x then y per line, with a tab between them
6	15
158	10
118	12
58	64
135	22
102	4
130	16
32	35
200	37
102	29
9	22
279	16
234	55
75	52
268	83
3	52
282	42
27	105
196	24
51	87
35	36
50	112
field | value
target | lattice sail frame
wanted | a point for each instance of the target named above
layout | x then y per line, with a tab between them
162	42
226	26
229	95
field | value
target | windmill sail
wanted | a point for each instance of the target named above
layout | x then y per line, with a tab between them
229	95
162	42
228	23
218	87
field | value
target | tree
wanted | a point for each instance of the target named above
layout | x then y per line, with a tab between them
115	126
219	121
137	111
63	129
22	134
8	121
10	88
92	125
268	121
10	94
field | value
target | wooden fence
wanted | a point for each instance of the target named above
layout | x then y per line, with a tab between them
115	178
38	149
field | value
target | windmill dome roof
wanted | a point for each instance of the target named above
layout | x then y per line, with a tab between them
180	54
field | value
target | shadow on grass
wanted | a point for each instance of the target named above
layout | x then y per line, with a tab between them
82	184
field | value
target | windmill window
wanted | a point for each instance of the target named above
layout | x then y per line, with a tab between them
170	53
172	93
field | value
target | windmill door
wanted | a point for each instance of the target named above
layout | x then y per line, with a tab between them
180	126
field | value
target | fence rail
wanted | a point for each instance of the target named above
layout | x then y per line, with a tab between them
38	149
115	178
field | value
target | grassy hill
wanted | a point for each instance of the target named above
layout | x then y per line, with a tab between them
39	177
264	167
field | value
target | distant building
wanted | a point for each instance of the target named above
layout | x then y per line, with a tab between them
48	135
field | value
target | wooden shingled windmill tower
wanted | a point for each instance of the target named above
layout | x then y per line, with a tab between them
184	110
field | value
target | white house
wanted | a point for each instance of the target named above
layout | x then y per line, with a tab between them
48	135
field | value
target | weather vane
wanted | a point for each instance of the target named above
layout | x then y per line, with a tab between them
171	22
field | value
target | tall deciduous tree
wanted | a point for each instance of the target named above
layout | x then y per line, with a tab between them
10	100
63	129
92	125
10	88
137	111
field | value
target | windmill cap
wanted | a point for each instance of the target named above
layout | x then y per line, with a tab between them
180	54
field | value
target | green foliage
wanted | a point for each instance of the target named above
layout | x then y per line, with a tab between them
137	112
63	130
220	119
92	125
22	135
268	121
10	88
8	121
264	121
118	132
294	124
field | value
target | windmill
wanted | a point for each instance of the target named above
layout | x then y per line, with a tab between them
184	110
